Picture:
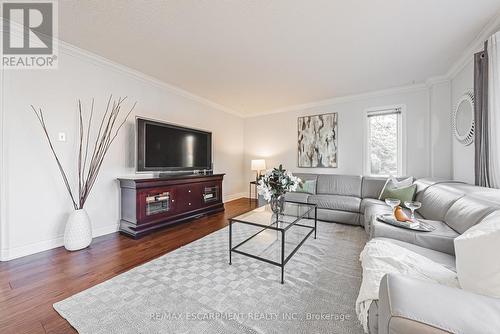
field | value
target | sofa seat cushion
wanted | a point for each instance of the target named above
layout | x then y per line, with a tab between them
335	216
441	239
370	213
336	202
444	259
373	208
366	202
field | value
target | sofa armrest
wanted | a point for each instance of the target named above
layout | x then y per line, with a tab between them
407	305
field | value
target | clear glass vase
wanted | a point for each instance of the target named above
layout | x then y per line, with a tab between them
277	204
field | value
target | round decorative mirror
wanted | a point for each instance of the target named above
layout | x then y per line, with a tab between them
463	119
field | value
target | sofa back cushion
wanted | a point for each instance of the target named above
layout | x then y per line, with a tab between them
437	199
467	212
297	197
491	195
424	183
371	187
348	185
307	186
308	177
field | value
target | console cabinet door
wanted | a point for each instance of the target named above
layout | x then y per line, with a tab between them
213	192
150	208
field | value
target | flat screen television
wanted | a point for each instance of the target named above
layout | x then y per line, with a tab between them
165	147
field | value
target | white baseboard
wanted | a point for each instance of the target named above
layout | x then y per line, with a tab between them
232	197
20	251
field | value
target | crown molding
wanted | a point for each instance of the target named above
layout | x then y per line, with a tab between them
464	59
74	51
432	81
475	46
85	55
345	99
490	28
437	80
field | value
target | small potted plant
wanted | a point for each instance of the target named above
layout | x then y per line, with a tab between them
274	184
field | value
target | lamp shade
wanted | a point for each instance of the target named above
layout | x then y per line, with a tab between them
258	165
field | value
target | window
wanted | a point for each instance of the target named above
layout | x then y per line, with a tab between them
384	151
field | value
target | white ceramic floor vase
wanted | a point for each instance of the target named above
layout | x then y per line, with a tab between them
78	231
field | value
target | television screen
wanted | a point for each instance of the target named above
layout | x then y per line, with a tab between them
167	147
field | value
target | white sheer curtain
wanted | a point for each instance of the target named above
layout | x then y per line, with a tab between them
494	109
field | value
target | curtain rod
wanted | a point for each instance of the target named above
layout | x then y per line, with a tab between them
381	112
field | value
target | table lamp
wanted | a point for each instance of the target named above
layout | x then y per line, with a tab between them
258	166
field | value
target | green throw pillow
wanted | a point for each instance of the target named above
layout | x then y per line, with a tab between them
405	194
393	183
308	186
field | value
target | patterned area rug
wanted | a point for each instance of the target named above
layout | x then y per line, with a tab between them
194	290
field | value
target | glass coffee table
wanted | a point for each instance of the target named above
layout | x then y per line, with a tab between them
274	238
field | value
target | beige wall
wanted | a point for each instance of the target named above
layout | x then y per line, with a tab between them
36	205
274	137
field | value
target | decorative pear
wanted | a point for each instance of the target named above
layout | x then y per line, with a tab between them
400	214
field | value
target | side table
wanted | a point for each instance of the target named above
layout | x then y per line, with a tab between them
256	196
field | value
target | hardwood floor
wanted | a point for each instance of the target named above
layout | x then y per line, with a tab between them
30	285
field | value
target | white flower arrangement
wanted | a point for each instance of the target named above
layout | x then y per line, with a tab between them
277	182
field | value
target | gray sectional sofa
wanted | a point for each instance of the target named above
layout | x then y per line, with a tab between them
408	305
341	198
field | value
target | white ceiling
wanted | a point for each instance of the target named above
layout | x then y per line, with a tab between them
255	56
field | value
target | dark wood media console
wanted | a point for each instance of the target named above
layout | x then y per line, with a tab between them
148	204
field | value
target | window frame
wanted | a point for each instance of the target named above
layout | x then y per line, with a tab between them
402	138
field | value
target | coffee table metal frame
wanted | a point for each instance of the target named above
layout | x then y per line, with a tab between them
274	226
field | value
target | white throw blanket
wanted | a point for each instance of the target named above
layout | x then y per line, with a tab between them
380	257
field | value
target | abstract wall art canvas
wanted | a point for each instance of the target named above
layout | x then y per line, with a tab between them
317	141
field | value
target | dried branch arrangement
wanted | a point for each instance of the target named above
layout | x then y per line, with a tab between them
90	155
